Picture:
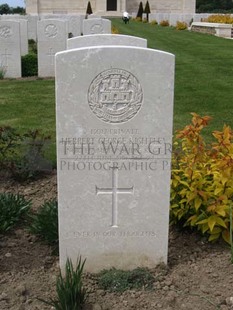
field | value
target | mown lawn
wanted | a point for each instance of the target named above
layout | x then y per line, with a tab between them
204	71
203	81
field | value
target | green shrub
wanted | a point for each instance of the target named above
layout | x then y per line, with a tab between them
32	46
202	183
32	161
12	209
140	11
147	10
89	9
181	25
71	295
115	280
2	72
154	22
164	23
23	155
29	65
45	222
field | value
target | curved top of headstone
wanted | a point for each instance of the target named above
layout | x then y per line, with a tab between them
96	26
105	39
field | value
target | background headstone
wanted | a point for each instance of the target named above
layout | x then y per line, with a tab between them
96	26
23	36
10	58
52	38
114	137
23	30
32	26
105	39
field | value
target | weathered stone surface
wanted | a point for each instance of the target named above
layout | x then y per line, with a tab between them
114	135
105	39
96	26
52	38
10	58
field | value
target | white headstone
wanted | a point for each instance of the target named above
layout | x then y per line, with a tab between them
23	31
105	39
96	26
114	136
52	38
74	25
10	58
32	26
24	36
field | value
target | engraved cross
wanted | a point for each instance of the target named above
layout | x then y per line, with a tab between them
114	191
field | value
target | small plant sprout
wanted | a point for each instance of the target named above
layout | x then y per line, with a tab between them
71	295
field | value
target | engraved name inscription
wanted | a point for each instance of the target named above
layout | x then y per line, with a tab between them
115	96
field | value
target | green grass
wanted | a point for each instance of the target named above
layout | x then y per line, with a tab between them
28	104
204	71
203	81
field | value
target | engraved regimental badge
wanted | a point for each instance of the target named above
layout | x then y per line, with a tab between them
115	96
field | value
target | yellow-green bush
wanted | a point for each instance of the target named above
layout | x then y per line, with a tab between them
202	179
181	25
219	18
164	23
144	20
115	30
154	22
138	19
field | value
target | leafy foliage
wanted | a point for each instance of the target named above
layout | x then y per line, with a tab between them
89	9
6	9
147	10
2	72
70	292
164	23
9	143
12	209
23	155
140	11
45	222
29	65
115	30
222	19
115	280
181	25
202	179
213	6
32	45
154	22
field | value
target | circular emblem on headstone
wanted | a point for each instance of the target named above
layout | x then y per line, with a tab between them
115	96
51	31
97	28
5	32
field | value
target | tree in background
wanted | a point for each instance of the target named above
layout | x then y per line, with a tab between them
89	9
147	10
18	10
214	6
140	10
5	9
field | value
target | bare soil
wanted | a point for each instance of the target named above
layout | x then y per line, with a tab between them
199	275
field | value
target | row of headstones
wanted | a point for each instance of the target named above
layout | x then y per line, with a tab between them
74	21
52	37
114	103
